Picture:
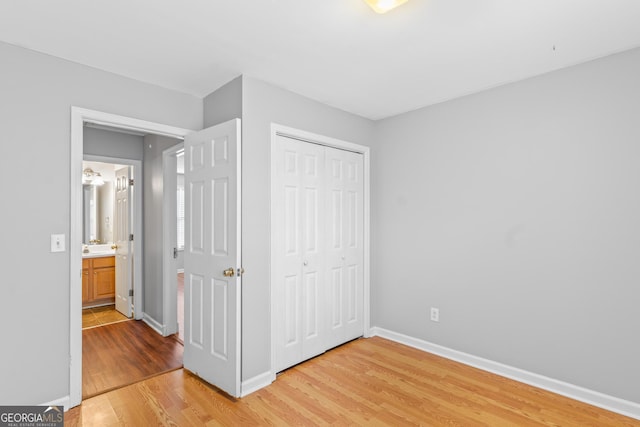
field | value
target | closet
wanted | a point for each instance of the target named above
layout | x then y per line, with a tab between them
319	254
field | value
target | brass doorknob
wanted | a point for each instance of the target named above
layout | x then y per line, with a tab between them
229	272
114	246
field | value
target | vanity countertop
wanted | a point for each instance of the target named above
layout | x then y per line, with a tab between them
98	254
98	251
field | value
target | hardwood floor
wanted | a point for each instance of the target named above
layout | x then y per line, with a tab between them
123	353
365	382
99	316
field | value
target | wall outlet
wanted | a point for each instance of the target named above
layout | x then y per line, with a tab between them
435	314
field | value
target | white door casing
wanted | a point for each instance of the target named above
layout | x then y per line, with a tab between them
318	249
122	219
212	245
169	239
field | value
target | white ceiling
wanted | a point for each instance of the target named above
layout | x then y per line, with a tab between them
338	52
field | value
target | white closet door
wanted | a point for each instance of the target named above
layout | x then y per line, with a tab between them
345	244
319	254
299	288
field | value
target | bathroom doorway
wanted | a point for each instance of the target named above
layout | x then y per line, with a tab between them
111	254
107	219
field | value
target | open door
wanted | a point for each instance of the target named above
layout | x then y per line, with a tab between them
212	262
122	219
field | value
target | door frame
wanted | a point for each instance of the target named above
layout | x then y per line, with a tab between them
137	223
169	229
80	116
304	136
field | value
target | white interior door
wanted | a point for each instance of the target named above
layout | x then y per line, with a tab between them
212	260
319	249
122	219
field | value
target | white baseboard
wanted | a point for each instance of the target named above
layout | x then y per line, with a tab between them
256	383
610	403
154	324
63	401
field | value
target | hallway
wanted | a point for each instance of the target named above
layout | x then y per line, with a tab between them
124	353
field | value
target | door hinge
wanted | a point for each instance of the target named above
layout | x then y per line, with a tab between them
130	292
131	237
175	253
131	181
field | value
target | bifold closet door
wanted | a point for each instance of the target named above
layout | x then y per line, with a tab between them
344	253
319	255
299	290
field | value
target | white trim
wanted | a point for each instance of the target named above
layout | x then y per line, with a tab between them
169	226
78	117
154	324
601	400
180	270
305	136
63	401
137	224
256	383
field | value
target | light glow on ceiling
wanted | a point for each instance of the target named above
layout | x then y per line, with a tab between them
384	6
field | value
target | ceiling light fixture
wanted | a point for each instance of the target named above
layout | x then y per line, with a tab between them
384	6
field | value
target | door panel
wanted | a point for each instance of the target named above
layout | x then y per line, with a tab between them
299	289
345	256
122	223
212	245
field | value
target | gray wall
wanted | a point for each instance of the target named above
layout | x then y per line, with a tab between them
516	212
262	105
224	104
153	223
101	142
35	109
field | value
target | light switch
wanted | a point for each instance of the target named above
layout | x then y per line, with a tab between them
57	243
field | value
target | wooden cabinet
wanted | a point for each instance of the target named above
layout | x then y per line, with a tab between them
98	281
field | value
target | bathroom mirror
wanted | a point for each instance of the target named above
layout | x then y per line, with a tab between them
97	205
97	213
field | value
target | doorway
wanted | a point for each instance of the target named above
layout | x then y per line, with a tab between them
79	117
109	210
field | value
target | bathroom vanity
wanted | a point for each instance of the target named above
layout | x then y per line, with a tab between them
98	280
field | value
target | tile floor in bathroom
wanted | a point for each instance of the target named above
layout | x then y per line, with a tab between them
99	316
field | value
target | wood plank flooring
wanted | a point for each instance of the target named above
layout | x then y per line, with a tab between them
123	353
366	382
